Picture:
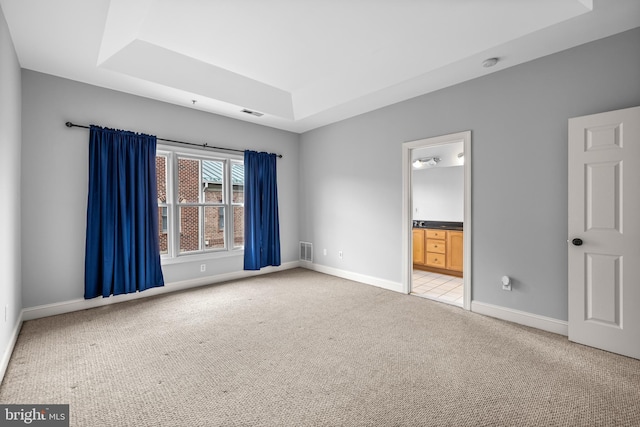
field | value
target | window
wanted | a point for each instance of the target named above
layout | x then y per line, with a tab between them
163	225
161	185
237	203
196	192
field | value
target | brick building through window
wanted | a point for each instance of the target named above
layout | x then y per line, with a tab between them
200	201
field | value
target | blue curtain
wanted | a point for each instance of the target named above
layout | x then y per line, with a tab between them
122	253
261	223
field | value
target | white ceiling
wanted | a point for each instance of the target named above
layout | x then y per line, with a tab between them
302	63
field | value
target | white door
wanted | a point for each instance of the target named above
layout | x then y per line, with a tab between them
604	231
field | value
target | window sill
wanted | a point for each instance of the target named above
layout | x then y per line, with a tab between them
181	259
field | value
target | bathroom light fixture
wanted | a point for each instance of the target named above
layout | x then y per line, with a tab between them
430	161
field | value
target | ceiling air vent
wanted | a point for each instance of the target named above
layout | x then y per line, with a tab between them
253	113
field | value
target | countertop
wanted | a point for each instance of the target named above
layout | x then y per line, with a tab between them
441	225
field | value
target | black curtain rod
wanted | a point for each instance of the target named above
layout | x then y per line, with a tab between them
205	145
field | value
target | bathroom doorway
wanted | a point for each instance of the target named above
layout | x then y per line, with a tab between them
437	222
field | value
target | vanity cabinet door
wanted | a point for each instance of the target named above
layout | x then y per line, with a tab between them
418	246
454	250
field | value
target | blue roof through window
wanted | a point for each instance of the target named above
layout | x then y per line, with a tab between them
212	172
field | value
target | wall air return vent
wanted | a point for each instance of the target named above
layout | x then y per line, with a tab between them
253	113
306	251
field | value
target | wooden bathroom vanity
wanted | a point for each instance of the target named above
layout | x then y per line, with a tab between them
438	249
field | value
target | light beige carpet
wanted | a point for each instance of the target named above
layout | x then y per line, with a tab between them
299	348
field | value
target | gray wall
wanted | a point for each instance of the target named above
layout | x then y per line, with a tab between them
438	194
54	176
340	186
350	194
10	141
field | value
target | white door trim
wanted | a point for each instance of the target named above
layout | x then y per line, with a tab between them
407	209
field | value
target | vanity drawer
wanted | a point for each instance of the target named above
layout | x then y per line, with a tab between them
438	246
436	234
436	260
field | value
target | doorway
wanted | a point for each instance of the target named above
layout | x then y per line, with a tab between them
435	262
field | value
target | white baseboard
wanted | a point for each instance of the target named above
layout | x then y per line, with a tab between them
356	277
516	316
521	317
4	363
47	310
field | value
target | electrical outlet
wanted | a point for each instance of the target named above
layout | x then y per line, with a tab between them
324	252
506	283
203	267
340	254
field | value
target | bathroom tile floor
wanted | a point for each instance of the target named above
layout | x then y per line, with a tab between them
439	287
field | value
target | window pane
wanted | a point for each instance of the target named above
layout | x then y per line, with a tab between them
207	205
161	178
238	226
161	186
212	193
213	227
212	181
189	228
188	180
162	230
237	180
164	219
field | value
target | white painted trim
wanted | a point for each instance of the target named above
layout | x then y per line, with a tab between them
356	277
6	357
47	310
407	209
521	317
516	316
407	219
468	226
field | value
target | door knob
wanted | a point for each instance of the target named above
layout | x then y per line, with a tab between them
577	242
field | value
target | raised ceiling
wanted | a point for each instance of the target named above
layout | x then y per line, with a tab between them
301	63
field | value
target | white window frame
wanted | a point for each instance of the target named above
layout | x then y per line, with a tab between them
174	255
232	204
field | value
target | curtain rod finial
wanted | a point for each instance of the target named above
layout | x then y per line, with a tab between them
69	124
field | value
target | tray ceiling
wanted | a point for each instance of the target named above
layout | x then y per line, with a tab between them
303	64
